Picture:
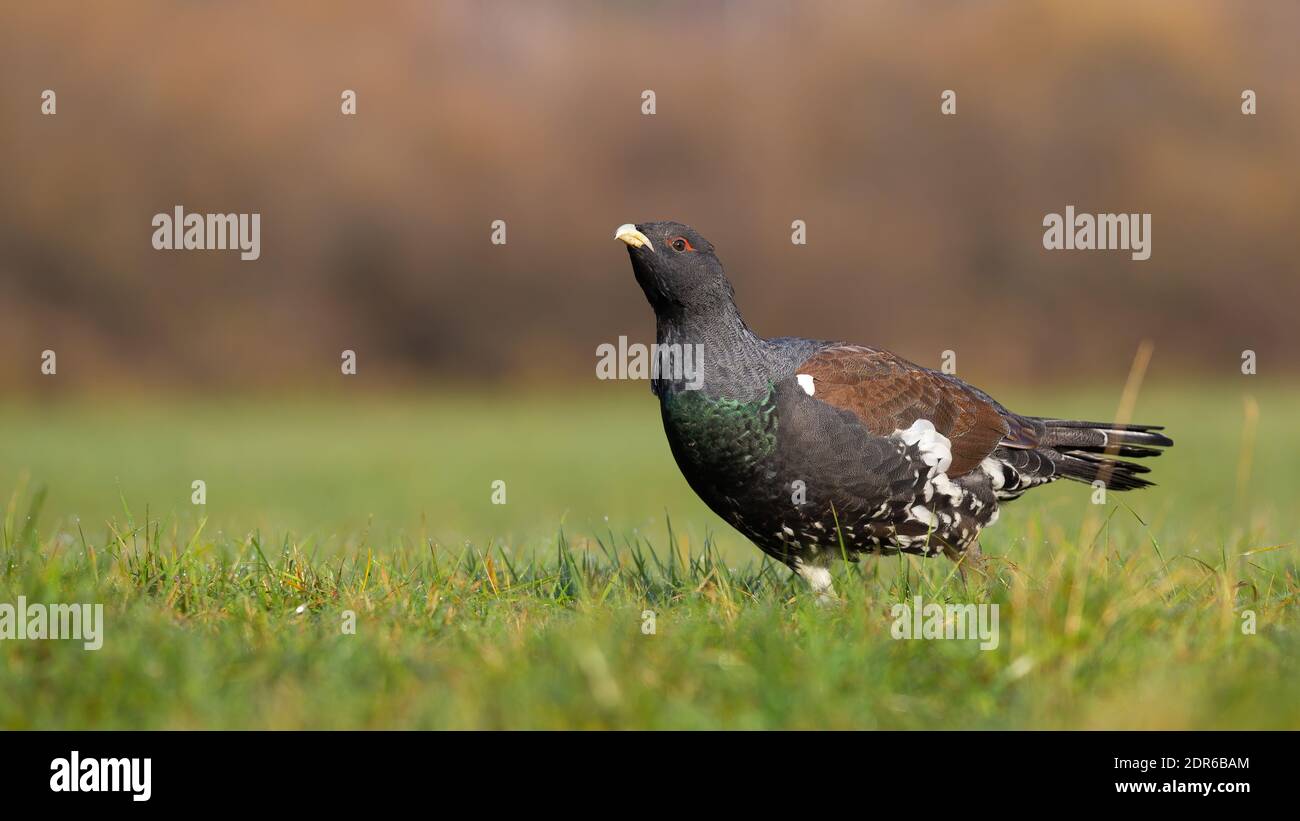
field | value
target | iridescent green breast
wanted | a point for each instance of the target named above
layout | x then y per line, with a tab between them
720	439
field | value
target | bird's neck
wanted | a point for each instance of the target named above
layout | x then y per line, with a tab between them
726	359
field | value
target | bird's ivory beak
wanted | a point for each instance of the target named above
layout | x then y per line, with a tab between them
633	237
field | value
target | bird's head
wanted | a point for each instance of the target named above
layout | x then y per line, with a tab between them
676	267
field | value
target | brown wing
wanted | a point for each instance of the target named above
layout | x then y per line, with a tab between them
889	393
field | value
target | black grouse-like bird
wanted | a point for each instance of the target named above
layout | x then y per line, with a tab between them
814	450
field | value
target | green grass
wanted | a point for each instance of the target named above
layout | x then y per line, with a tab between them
530	614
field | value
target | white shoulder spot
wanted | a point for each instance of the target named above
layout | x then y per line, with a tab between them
935	448
805	381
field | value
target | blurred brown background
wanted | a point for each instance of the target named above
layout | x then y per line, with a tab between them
924	231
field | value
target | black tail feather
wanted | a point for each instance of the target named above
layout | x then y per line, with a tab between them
1089	468
1087	451
1095	437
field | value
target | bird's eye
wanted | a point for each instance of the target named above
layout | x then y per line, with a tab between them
681	244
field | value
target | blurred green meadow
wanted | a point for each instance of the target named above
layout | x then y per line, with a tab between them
534	613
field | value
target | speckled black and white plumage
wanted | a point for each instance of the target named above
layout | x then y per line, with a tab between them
821	450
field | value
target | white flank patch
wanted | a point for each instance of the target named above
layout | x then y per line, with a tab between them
806	382
923	514
942	484
994	471
935	448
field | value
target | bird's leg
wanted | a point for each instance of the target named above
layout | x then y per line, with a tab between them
818	577
970	558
